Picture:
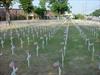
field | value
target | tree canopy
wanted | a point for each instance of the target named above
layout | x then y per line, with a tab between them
41	9
26	5
96	13
59	6
43	3
40	12
6	3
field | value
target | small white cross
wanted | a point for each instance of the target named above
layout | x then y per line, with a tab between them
28	59
12	48
14	71
21	42
93	50
37	50
2	43
28	39
59	70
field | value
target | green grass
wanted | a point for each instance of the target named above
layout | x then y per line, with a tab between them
77	58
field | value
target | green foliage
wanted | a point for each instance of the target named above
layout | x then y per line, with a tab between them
59	6
42	4
6	3
51	1
96	13
79	16
26	5
40	11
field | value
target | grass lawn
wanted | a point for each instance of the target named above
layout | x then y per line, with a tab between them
77	57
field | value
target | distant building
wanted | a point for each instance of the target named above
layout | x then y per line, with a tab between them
93	18
50	15
2	14
15	14
19	14
33	16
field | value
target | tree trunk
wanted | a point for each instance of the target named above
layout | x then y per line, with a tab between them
27	18
8	16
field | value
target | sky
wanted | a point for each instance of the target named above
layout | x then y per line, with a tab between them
78	6
84	6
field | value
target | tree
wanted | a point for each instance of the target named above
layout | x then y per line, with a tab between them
6	4
40	11
27	6
43	3
59	6
51	1
79	16
96	13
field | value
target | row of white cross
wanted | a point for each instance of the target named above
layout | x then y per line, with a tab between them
93	31
88	43
44	41
63	53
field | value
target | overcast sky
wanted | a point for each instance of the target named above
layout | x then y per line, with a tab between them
78	6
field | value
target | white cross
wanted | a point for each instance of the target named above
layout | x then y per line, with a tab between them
43	43
28	59
2	43
37	50
46	40
59	70
28	39
64	49
1	54
86	41
89	45
21	42
14	71
93	50
12	48
11	38
62	59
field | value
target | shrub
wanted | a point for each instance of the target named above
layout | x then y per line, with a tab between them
79	16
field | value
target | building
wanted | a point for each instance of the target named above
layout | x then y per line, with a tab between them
2	14
19	14
15	14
